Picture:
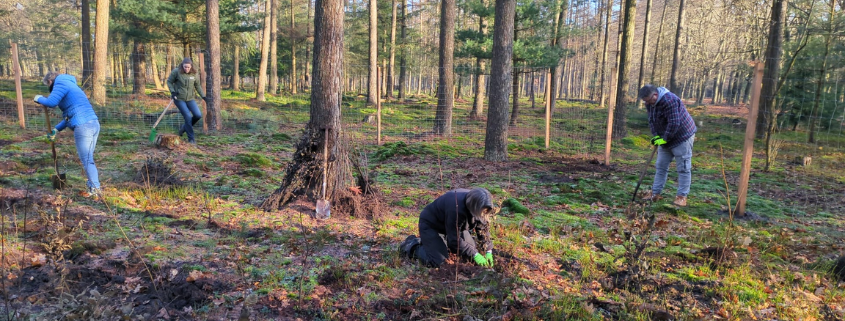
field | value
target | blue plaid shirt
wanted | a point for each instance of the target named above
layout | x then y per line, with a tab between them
669	119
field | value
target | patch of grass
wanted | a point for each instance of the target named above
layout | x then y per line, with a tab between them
389	150
254	160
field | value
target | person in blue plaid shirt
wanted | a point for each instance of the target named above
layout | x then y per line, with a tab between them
674	132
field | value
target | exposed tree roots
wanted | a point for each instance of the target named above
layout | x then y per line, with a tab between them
348	195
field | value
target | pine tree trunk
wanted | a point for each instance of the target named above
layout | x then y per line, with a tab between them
619	118
274	38
676	53
154	67
214	102
309	36
403	69
609	10
87	68
139	68
303	175
265	53
555	40
293	80
390	72
657	44
372	82
236	69
101	39
643	52
501	71
814	114
446	79
773	55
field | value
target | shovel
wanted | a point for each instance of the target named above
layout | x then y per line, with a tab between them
153	132
323	207
59	179
642	174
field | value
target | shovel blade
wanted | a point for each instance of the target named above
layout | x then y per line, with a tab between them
153	134
324	209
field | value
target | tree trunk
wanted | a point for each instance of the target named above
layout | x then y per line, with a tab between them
403	70
309	36
814	114
214	103
101	52
139	68
304	174
265	53
154	67
478	94
390	72
372	82
236	69
676	53
555	40
609	11
293	79
87	68
773	56
619	118
643	52
657	44
446	80
501	71
274	38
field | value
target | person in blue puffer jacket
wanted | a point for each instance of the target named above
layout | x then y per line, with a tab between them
79	116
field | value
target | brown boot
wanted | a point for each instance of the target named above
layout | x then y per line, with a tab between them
649	196
680	201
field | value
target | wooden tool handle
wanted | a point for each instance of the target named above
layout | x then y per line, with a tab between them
163	113
52	143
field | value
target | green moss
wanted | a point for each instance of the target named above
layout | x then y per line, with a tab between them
636	141
515	206
389	150
253	159
254	172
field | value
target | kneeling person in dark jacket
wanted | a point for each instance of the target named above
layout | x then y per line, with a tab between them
453	215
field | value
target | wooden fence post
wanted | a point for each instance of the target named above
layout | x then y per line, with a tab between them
201	70
378	108
610	106
748	147
18	91
548	107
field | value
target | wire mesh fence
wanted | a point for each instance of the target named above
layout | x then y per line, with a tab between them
576	125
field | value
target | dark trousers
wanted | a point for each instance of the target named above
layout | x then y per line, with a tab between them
433	250
191	113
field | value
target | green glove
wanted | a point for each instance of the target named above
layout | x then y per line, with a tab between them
489	257
52	135
657	141
480	260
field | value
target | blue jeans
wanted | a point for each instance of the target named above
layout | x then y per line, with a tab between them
85	136
683	160
191	113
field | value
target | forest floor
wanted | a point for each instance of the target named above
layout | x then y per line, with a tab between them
191	243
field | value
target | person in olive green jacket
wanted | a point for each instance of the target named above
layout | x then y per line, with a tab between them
182	82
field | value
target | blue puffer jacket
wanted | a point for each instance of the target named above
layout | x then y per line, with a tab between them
76	109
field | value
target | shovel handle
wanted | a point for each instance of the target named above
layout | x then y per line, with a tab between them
52	143
163	113
642	174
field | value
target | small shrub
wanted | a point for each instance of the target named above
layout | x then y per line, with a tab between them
389	150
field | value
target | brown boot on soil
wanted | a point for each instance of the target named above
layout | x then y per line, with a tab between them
680	201
649	196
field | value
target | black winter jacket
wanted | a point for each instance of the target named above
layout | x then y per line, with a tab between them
449	215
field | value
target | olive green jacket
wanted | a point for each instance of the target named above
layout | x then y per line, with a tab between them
183	85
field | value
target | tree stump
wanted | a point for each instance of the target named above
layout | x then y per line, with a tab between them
168	141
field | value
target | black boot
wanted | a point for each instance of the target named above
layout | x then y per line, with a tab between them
410	245
181	130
